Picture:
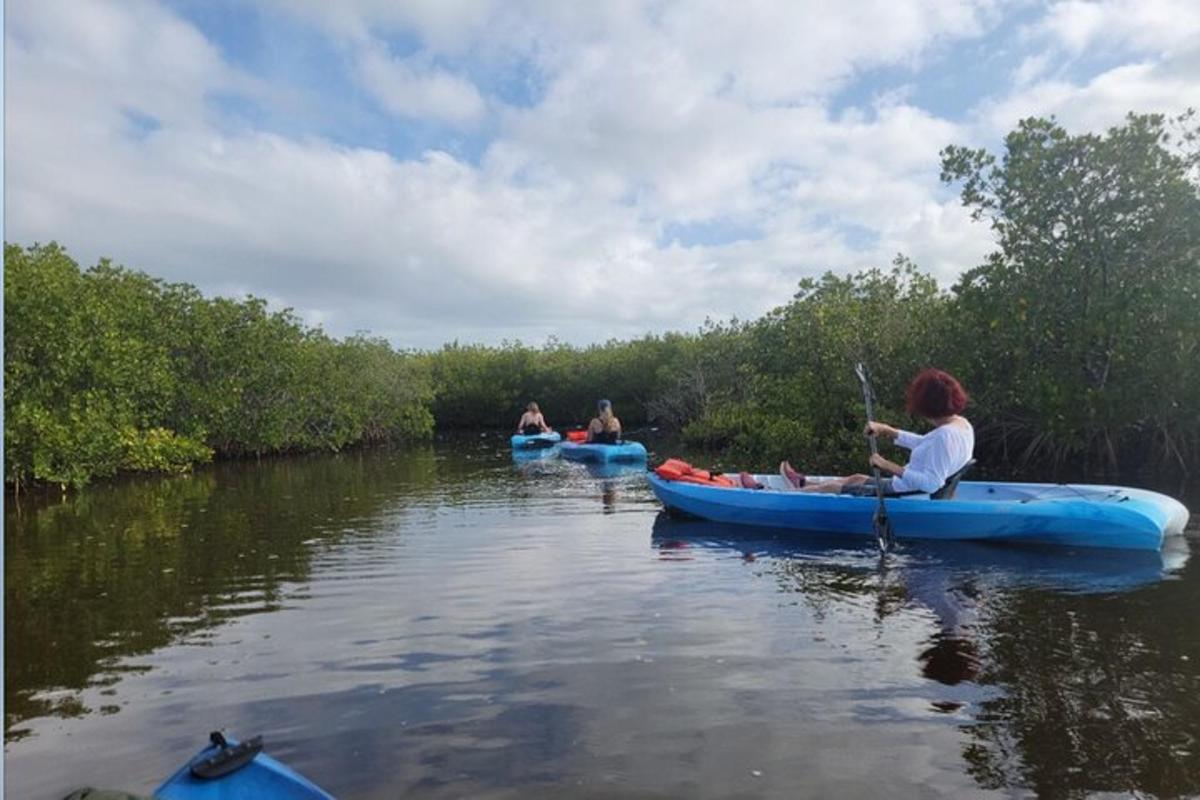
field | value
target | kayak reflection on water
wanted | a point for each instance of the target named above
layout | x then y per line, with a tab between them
610	476
613	470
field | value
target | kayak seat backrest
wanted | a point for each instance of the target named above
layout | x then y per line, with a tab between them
951	485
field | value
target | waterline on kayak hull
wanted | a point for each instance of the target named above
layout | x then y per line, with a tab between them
622	451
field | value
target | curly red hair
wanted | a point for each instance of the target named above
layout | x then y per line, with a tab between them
934	394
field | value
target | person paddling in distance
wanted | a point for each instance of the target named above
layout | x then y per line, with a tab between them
532	422
604	428
938	397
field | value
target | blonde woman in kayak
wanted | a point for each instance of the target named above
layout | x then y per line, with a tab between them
532	422
604	428
939	398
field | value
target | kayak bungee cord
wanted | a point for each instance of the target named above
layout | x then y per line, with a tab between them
880	522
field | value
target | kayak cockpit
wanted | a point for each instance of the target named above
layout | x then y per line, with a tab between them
980	492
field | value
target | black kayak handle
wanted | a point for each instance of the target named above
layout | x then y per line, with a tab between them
228	758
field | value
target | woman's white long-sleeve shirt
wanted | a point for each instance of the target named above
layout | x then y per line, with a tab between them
935	456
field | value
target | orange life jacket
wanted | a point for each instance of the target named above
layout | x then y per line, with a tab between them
674	469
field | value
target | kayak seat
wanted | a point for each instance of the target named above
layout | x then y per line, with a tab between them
951	485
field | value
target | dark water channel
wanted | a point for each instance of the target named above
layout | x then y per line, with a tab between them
445	623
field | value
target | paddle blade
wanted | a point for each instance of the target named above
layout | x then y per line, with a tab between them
883	530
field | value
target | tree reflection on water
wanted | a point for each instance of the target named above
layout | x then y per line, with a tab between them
122	569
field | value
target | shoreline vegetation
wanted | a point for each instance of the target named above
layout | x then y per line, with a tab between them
1078	338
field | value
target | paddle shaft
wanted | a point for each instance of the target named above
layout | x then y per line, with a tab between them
883	526
872	440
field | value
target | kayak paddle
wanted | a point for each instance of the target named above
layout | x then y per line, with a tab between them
881	523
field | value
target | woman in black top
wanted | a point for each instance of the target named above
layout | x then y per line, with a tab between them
604	428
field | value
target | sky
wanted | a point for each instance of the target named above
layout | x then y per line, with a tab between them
437	170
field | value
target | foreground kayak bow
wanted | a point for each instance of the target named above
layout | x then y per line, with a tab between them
228	770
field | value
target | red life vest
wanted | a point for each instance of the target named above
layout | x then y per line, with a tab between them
673	469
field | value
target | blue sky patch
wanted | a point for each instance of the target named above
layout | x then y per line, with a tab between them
139	124
707	233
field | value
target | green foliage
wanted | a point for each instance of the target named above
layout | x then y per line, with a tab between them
749	432
159	450
109	370
1081	332
488	387
65	445
795	394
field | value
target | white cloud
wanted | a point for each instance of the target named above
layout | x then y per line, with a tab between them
1159	26
1100	102
1031	68
1074	24
445	25
107	59
410	88
770	52
940	238
650	116
1156	44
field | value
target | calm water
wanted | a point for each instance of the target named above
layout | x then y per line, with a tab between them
446	623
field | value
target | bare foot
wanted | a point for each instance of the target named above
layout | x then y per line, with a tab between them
793	477
748	481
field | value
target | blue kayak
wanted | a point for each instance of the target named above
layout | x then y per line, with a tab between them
1058	514
621	451
537	441
229	770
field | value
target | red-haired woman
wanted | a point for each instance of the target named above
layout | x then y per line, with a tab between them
939	398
